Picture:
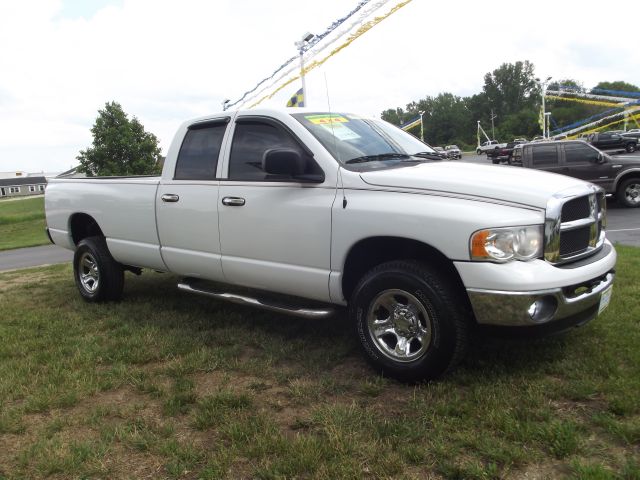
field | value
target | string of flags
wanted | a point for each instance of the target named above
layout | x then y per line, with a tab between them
411	123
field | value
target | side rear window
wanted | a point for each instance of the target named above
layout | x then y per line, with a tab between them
544	155
198	157
575	153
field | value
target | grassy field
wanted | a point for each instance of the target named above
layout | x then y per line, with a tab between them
166	385
22	223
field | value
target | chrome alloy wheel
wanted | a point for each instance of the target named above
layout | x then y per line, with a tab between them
399	325
89	273
632	193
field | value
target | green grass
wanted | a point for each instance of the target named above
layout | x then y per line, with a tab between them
22	223
166	385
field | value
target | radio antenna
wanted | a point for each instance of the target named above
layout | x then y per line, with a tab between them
335	144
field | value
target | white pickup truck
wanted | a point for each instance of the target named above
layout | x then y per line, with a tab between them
489	146
317	210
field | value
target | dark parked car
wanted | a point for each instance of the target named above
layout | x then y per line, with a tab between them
634	134
617	175
503	154
613	141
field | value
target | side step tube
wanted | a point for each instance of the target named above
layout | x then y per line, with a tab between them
265	304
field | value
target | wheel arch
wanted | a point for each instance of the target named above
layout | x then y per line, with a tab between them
83	225
372	251
631	173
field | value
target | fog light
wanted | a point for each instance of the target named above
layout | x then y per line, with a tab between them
543	309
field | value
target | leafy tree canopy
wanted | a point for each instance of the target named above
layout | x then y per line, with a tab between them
618	85
512	93
121	146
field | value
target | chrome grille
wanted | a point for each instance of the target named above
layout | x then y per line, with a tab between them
575	209
575	222
574	241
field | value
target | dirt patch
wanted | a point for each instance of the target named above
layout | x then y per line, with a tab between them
10	280
540	471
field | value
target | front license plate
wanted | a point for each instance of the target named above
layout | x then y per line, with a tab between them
605	298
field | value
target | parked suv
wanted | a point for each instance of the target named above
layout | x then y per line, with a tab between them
617	175
613	141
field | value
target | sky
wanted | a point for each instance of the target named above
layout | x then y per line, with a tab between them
166	61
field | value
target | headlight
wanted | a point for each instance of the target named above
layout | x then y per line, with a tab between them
504	244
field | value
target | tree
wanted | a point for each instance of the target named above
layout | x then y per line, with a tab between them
616	86
511	87
120	146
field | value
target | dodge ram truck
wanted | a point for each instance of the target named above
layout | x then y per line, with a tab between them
308	212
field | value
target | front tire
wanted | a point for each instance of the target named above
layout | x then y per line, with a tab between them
98	276
410	322
628	193
479	152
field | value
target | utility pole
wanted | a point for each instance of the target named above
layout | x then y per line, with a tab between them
307	37
547	123
493	130
421	126
543	90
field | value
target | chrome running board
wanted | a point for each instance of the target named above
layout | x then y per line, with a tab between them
265	304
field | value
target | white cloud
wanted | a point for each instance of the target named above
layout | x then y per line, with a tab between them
167	61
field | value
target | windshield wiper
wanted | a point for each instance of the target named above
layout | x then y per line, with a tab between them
375	158
429	155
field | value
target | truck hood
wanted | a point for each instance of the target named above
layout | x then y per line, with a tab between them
498	183
625	161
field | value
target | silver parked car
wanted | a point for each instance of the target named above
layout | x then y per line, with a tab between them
453	151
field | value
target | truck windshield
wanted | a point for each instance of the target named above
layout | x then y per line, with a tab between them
354	141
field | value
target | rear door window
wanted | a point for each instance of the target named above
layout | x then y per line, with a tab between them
544	155
198	157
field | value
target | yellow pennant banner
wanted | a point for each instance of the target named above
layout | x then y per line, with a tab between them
635	118
583	100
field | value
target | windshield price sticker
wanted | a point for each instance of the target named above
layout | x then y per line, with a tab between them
341	132
326	119
605	298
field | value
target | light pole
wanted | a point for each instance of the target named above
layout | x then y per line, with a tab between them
493	129
306	38
543	89
421	126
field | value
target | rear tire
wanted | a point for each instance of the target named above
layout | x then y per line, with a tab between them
410	322
479	152
98	276
630	148
628	193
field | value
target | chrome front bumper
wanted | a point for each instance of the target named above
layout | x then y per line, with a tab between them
521	309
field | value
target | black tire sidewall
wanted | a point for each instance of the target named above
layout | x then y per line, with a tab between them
438	356
111	275
620	195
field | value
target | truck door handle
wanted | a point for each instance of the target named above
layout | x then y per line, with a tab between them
233	201
170	197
